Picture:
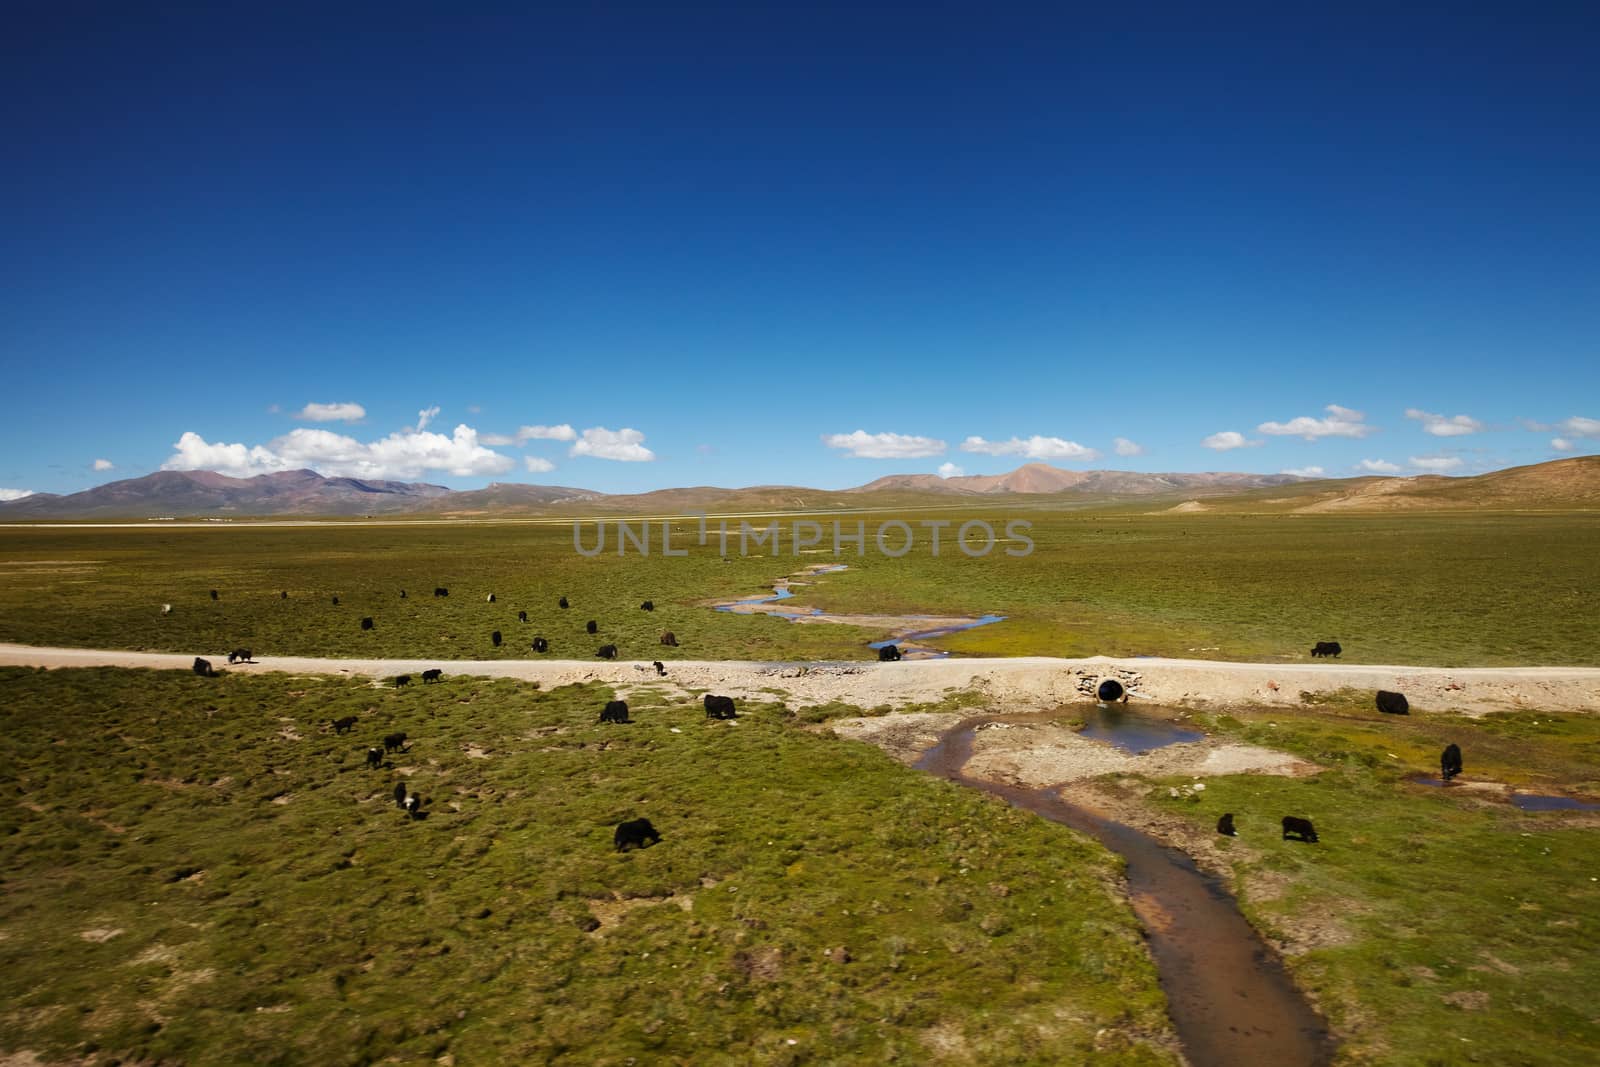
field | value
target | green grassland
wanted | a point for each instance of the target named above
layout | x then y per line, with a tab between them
1441	589
1446	925
199	871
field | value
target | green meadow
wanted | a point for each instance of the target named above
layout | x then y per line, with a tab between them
1441	926
200	871
1478	589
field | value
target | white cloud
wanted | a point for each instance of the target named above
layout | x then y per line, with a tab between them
1341	422
1561	444
864	445
1437	464
1304	472
1377	466
950	470
104	465
7	495
1124	447
1443	426
625	445
346	412
536	465
425	416
405	455
1577	426
1223	441
525	434
1034	447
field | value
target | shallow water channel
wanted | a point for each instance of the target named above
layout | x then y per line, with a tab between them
1229	996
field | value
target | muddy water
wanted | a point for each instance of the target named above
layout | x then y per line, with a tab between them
1229	996
1132	732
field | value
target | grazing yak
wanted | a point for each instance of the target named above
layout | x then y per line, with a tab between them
615	711
592	626
366	622
241	655
203	668
413	806
399	794
522	616
1301	828
489	599
341	725
284	595
395	742
433	674
606	652
335	601
1225	826
719	707
441	591
669	639
494	639
1327	648
1393	703
661	669
402	594
375	757
648	605
402	679
889	654
1450	762
564	603
633	834
541	645
1111	690
213	594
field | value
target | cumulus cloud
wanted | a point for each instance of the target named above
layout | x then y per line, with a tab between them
624	446
1377	466
864	445
346	412
1227	439
104	465
525	434
425	416
1577	426
1341	422
7	495
1124	447
1444	426
404	455
536	465
950	470
1304	472
1561	444
1436	464
1034	447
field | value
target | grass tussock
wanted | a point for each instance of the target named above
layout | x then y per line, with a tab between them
201	871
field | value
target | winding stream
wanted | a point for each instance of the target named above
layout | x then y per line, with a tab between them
1229	996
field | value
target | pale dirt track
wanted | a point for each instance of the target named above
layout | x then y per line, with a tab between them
1015	684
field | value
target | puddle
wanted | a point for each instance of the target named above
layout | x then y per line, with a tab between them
1229	996
1539	802
905	630
1132	732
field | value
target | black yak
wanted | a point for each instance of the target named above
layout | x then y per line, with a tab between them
203	668
648	605
634	833
541	645
606	652
615	711
522	616
1301	828
592	626
366	622
402	679
564	603
1327	648
719	707
1450	762
1225	826
374	757
494	639
661	669
433	674
1393	703
889	654
441	591
394	742
341	725
669	639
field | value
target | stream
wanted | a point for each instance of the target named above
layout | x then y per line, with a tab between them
1229	996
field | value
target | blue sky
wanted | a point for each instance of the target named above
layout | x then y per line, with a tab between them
708	244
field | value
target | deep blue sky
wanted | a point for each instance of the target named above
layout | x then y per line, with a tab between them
740	228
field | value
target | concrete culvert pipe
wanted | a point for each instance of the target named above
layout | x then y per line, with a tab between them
1109	690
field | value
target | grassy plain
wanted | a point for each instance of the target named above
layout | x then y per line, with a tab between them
1440	926
199	871
1478	589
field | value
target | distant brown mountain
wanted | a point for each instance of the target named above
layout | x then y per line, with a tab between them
1042	478
1564	483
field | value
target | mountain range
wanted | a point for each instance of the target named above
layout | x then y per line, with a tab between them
1563	483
